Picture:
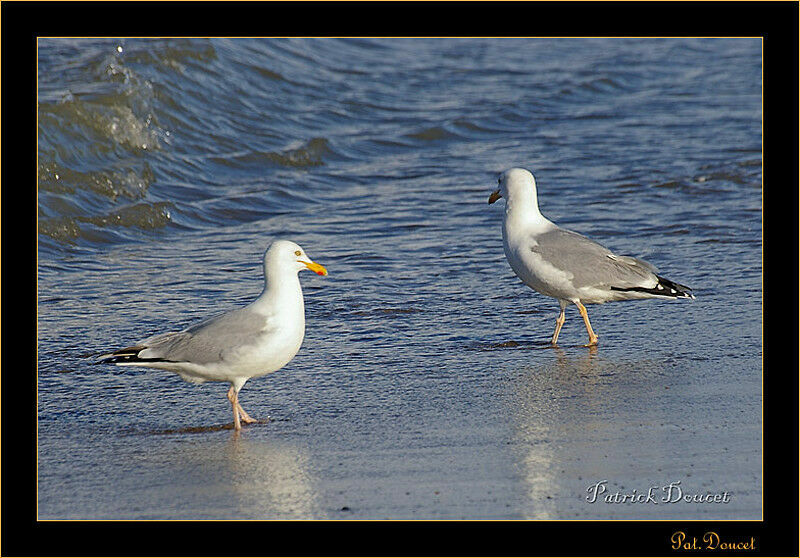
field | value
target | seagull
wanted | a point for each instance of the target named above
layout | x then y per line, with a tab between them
566	265
245	343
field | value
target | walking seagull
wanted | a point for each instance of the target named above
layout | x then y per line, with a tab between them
252	341
566	265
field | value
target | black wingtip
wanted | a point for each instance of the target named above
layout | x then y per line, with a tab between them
674	289
664	287
127	359
126	355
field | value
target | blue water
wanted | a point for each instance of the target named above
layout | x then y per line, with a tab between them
425	387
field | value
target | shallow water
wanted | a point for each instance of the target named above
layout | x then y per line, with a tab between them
425	387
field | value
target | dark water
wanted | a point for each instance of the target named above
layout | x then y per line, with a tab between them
425	388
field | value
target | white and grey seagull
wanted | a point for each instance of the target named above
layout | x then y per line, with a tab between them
566	265
245	343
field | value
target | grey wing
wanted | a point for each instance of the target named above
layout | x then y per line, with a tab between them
630	260
208	341
591	264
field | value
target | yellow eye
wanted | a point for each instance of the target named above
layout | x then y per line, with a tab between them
297	252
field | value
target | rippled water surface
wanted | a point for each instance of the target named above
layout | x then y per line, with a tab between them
425	387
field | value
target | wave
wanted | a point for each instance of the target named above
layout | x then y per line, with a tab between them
143	216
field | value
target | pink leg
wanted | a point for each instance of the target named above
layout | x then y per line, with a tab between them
238	411
233	397
559	322
245	417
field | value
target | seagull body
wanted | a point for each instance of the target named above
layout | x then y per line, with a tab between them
566	265
245	343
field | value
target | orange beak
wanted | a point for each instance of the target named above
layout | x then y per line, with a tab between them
315	267
495	196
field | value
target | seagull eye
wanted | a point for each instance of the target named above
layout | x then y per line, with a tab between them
297	252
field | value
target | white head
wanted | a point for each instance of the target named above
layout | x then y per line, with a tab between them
284	254
517	186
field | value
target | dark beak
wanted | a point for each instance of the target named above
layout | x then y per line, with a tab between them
495	196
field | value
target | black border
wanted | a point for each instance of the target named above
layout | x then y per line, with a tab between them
22	22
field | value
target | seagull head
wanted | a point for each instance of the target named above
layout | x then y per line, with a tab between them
287	254
514	184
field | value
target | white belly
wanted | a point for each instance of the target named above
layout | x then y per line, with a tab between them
538	274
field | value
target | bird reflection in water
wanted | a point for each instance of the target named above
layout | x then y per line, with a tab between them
271	480
551	408
238	474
